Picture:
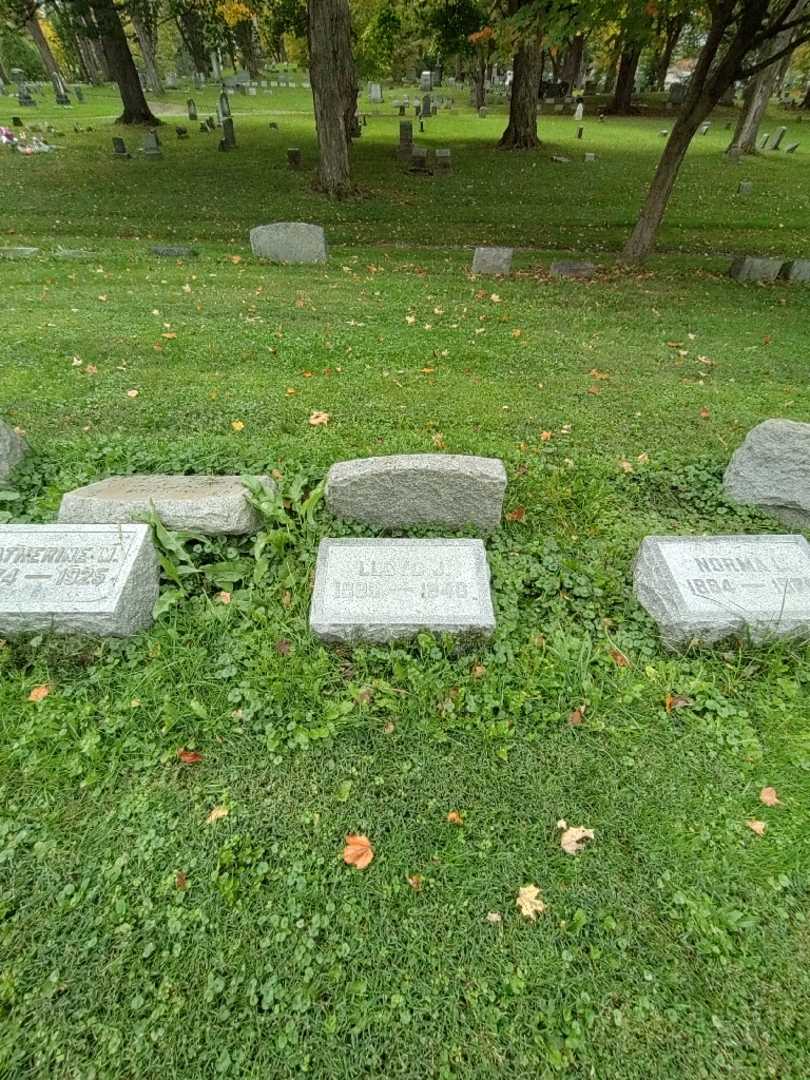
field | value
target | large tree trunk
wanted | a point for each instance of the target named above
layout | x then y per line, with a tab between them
479	78
147	39
622	103
673	28
572	66
758	93
122	66
521	131
245	35
190	26
48	59
334	92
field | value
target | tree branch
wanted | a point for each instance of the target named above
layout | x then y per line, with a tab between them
746	73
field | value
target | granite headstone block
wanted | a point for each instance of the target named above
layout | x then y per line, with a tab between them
289	242
707	588
492	260
771	470
405	490
12	450
85	579
387	590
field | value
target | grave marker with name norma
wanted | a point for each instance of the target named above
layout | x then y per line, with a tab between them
85	579
388	590
707	588
403	490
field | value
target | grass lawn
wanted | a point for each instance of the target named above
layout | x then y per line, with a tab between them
136	938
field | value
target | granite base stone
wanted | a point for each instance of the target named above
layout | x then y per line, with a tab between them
771	470
13	449
174	251
101	580
212	505
289	242
18	252
796	271
749	268
390	590
405	490
707	588
492	260
572	268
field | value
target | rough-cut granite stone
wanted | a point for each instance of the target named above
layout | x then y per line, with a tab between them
387	590
289	242
213	505
750	268
796	271
706	588
573	268
451	490
84	579
492	260
175	251
12	450
771	470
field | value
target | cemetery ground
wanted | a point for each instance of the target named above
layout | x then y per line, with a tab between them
174	807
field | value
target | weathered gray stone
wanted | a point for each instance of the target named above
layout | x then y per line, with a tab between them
745	187
776	141
492	260
18	252
750	268
386	590
706	588
771	470
796	270
85	579
572	268
403	490
289	242
12	450
213	505
175	251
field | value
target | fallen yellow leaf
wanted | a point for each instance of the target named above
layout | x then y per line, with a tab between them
223	597
318	418
573	839
756	826
238	425
528	902
39	692
358	851
769	797
455	818
216	814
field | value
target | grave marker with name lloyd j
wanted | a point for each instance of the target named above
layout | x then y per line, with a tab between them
707	588
388	590
84	579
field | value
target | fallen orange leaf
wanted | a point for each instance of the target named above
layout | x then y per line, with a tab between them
518	514
39	692
223	597
318	418
358	851
756	826
618	658
415	882
189	757
455	818
769	797
217	814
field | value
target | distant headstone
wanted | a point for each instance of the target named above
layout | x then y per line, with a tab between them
796	271
224	105
120	148
375	94
771	470
590	157
228	133
18	252
483	112
12	450
492	260
389	590
572	268
559	107
580	131
211	505
763	142
707	588
745	187
77	90
426	105
704	128
294	157
425	81
151	145
779	134
289	242
792	148
84	579
677	93
443	162
406	490
174	251
419	159
192	109
751	268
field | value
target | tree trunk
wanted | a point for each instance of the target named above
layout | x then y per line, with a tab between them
758	93
622	103
806	99
122	66
334	92
48	59
147	39
246	40
479	77
191	31
674	28
521	131
572	66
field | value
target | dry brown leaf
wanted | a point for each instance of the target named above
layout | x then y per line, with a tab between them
478	671
438	441
577	716
189	757
625	466
39	692
769	797
618	658
223	597
676	701
545	436
455	818
217	814
595	373
518	514
704	413
318	418
283	647
181	881
358	851
415	882
756	826
574	839
528	902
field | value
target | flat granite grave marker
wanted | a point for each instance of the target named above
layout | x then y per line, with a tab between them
572	268
402	490
771	470
387	590
753	268
12	450
84	579
492	260
174	251
212	505
18	252
289	242
713	587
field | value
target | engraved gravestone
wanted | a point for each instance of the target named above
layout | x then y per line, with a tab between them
213	505
87	579
387	590
707	588
492	260
12	450
403	490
